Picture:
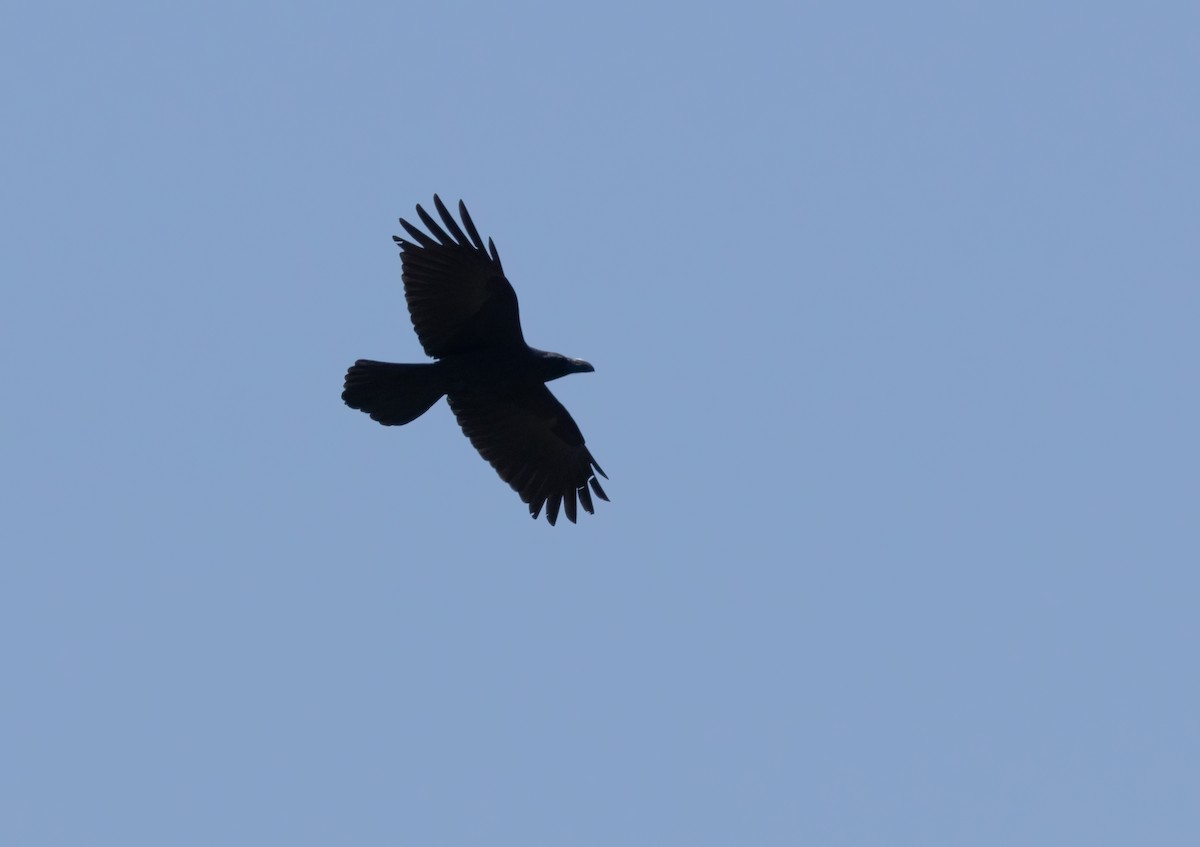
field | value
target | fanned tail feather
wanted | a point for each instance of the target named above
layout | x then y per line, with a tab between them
392	394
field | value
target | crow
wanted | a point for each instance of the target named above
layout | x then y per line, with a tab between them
465	314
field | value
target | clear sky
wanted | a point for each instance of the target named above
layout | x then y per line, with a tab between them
894	311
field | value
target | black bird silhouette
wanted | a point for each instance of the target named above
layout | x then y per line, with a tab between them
465	313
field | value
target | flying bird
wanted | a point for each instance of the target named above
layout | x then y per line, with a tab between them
465	313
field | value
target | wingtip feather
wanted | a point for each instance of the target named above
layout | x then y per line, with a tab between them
470	225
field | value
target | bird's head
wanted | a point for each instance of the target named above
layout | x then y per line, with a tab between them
555	365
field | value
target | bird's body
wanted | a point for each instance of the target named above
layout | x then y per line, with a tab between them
465	314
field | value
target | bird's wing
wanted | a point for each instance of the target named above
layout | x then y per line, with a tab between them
535	446
457	295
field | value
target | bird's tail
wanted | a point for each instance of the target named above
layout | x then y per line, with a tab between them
393	394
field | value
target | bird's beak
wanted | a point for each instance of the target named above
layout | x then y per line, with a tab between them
582	367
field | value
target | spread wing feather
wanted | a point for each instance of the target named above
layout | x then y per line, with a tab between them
534	445
457	294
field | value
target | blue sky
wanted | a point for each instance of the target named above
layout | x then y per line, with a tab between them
894	317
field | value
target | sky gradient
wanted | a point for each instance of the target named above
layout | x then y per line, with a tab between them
894	318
